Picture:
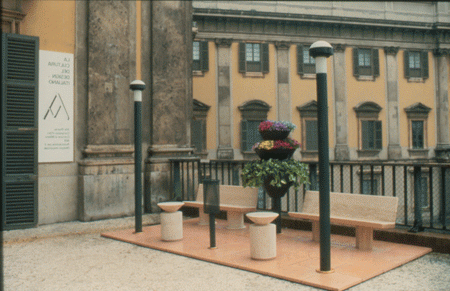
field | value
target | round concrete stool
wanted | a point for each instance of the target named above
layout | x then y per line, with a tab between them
171	221
263	235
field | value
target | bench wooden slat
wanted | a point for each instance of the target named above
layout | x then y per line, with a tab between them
364	212
345	221
236	208
356	206
233	195
235	200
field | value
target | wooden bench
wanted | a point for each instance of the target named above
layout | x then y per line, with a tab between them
364	212
235	200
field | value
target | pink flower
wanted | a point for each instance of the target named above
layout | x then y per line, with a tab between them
265	125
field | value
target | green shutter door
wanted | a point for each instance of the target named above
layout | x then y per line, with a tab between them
300	59
20	56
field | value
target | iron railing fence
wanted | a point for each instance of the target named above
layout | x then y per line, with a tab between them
423	189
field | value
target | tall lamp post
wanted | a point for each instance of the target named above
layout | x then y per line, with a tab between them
320	51
137	86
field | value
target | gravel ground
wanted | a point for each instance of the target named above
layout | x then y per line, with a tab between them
73	256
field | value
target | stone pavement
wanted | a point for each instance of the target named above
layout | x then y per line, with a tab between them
73	256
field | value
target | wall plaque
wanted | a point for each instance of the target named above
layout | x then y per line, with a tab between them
56	114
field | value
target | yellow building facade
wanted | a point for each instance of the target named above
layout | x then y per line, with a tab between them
387	79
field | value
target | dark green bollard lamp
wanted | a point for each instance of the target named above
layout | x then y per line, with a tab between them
320	51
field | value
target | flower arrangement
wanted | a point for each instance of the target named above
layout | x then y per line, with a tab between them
287	143
270	125
282	173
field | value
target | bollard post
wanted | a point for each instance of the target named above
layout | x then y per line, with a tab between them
418	224
320	50
137	87
211	205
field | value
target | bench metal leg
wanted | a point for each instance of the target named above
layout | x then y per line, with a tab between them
235	220
364	238
316	231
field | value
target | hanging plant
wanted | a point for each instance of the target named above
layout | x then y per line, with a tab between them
281	172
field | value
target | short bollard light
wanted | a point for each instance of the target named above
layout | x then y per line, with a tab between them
211	206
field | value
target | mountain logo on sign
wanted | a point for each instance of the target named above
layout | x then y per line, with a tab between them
57	107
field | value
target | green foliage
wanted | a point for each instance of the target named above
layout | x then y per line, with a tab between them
282	172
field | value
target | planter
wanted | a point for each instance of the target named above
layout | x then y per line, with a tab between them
276	193
279	154
274	135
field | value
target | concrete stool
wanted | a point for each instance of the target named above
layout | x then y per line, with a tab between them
171	221
263	235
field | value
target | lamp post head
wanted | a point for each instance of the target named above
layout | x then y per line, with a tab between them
137	85
320	49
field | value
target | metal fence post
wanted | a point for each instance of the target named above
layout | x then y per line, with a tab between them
417	200
176	180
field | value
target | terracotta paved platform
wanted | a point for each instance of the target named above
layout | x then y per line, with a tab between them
298	257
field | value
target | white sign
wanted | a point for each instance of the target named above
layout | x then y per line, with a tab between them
56	123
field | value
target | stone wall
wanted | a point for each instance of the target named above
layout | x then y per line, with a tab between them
106	66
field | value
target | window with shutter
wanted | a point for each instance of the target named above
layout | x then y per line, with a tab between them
249	134
253	57
370	187
417	134
19	130
305	63
370	129
200	56
253	113
415	64
253	135
198	128
311	142
309	129
371	135
366	63
417	115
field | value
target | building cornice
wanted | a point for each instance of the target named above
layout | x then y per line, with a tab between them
296	28
259	15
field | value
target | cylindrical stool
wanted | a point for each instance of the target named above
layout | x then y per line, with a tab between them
263	235
171	226
171	221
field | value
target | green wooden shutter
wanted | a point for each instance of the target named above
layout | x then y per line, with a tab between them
366	134
406	63
424	60
265	57
300	59
20	62
417	134
244	135
197	135
312	136
242	68
376	63
355	62
204	56
378	135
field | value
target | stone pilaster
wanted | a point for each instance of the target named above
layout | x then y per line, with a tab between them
340	99
392	95
225	148
284	96
442	149
106	172
168	25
